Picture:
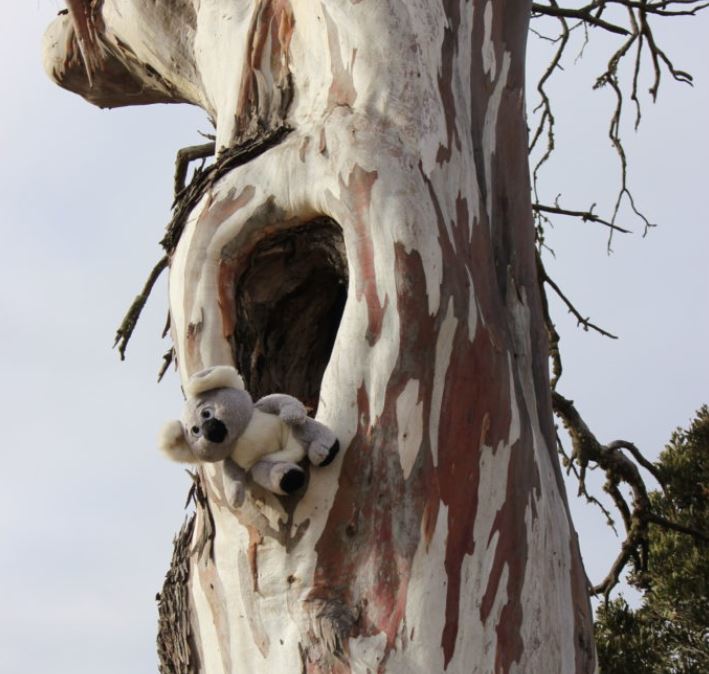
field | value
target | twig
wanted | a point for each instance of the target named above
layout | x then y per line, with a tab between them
586	216
635	30
183	159
583	322
227	160
679	528
167	358
124	332
583	14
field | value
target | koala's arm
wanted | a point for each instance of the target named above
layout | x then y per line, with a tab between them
234	483
289	409
319	441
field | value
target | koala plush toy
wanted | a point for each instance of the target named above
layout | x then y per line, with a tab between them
267	439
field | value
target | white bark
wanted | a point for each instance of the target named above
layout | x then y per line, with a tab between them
440	538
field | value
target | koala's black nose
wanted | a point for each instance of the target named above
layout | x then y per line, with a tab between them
214	430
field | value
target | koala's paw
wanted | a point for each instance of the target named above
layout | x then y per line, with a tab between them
293	414
323	454
285	478
279	477
292	480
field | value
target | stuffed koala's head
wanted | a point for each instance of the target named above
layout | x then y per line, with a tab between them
214	420
217	412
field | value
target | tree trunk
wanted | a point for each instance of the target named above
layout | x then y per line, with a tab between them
378	263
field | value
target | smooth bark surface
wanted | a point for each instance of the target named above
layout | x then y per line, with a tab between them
440	538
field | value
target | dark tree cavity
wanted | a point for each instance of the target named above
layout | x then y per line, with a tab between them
289	301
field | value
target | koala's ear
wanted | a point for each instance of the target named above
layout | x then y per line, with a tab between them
173	443
220	376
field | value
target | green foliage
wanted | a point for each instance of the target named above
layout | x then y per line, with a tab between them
669	632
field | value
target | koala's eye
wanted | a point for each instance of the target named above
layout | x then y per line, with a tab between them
196	430
206	414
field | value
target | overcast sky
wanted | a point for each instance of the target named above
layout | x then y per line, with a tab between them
88	508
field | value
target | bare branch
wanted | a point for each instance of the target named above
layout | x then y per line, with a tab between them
583	14
586	216
636	30
637	455
166	329
183	159
203	180
124	332
638	515
585	323
167	358
679	528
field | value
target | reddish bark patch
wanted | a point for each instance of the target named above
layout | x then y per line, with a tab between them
212	216
342	90
420	328
261	105
449	50
476	404
357	192
255	539
374	527
364	555
511	551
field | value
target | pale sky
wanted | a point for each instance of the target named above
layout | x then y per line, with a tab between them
88	507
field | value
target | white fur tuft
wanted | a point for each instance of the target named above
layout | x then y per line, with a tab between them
220	376
172	442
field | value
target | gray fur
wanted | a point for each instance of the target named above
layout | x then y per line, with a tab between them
232	406
288	408
214	420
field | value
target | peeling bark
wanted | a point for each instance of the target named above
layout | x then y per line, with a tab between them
176	650
439	539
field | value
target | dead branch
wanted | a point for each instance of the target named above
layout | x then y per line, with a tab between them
584	14
124	332
203	180
547	120
183	159
636	30
587	452
585	323
619	469
186	199
167	358
585	216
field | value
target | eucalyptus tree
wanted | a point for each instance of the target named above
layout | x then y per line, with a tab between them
363	240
